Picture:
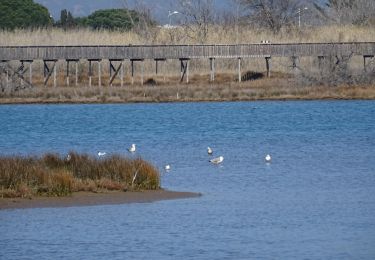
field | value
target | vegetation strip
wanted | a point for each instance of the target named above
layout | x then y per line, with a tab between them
53	175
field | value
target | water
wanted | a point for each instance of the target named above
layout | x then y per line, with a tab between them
315	201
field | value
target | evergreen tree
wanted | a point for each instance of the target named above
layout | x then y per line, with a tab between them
23	14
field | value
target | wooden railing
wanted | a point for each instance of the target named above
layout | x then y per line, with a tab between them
184	51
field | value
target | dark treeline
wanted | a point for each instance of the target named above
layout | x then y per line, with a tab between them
28	14
197	16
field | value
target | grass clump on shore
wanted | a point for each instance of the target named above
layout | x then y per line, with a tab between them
53	175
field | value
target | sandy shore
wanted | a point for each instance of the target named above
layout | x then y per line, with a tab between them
81	199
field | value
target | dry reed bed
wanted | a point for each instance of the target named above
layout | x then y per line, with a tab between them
217	35
53	175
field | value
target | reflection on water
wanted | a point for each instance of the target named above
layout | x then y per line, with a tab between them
315	200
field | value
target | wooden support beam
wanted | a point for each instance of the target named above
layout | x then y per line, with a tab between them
122	73
142	72
212	69
268	66
132	65
31	72
239	69
22	71
365	57
67	72
99	73
132	61
19	72
157	67
320	62
295	63
91	71
115	71
49	70
77	72
184	69
55	75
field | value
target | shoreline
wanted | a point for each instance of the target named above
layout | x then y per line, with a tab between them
115	102
245	92
87	199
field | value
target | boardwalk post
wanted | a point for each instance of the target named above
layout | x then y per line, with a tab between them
157	67
100	73
365	57
122	73
7	74
239	69
55	75
22	71
77	73
181	70
143	71
67	72
268	66
132	65
187	71
31	72
320	62
212	69
90	73
295	64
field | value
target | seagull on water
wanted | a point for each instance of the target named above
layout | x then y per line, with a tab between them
132	148
167	167
268	158
101	154
217	160
209	151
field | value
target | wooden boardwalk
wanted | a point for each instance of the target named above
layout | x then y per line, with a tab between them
184	51
138	53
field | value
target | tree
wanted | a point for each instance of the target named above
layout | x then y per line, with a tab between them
23	14
357	12
63	18
67	20
198	16
113	19
272	14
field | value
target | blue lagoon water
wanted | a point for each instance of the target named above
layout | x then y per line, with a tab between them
315	201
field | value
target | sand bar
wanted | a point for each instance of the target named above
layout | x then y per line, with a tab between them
81	199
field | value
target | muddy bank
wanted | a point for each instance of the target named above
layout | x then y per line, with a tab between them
81	199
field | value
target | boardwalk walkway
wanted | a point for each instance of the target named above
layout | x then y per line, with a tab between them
118	54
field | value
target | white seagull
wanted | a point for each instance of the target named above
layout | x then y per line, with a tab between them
209	151
68	157
217	160
268	158
167	167
132	148
101	154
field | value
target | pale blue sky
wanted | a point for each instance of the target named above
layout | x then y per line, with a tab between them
85	7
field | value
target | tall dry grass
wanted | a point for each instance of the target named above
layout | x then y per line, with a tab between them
53	175
217	35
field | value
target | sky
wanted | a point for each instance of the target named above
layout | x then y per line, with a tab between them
85	7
